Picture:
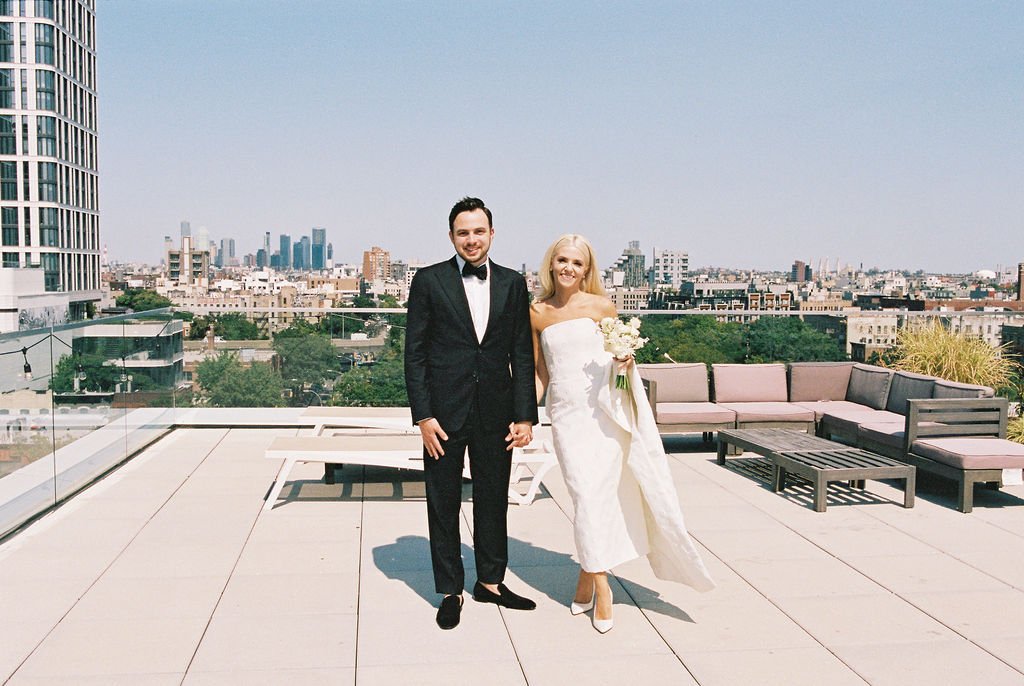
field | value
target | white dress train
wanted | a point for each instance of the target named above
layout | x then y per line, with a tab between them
613	462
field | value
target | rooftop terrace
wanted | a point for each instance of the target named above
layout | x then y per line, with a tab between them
168	572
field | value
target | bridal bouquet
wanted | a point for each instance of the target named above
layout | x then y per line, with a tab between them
621	339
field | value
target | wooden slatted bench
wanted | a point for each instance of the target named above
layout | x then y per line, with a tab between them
816	459
398	448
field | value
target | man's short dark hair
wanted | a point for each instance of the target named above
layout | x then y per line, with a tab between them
468	204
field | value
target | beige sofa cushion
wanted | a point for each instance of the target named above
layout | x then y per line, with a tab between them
678	383
741	383
770	412
813	381
972	453
693	413
836	407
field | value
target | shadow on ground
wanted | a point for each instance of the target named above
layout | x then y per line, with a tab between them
406	558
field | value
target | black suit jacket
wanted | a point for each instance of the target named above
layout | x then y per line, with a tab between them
447	370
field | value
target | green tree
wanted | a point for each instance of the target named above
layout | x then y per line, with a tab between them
306	358
378	385
97	376
256	386
210	371
788	339
232	326
690	339
141	299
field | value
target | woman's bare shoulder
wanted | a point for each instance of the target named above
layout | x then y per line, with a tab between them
601	306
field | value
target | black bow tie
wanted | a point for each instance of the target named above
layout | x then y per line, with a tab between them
479	272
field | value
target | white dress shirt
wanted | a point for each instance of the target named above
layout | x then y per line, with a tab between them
478	293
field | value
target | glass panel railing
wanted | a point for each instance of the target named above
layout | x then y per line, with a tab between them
100	391
27	472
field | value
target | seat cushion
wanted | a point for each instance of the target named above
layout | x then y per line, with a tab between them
952	389
972	453
848	423
744	383
889	434
813	381
678	383
770	412
908	386
839	407
693	413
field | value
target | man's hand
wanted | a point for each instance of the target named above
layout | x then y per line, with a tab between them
519	435
432	434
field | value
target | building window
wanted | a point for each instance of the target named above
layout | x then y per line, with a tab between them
44	9
46	136
8	180
11	260
8	135
6	41
46	90
7	8
9	218
44	44
48	181
48	230
51	271
7	88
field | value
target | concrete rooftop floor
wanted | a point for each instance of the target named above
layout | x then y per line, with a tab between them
168	572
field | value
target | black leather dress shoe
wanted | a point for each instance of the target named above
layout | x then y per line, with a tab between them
504	597
448	613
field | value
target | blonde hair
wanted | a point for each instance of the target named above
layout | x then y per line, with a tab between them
591	282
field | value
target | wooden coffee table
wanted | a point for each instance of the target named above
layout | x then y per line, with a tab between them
816	459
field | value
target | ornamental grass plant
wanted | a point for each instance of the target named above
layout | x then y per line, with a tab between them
935	350
1015	430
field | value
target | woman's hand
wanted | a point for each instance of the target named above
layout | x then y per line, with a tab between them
623	364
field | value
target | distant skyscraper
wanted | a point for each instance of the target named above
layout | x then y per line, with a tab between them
297	256
261	258
631	263
671	267
307	252
318	249
49	214
202	238
168	246
286	251
186	229
376	264
330	252
266	243
800	272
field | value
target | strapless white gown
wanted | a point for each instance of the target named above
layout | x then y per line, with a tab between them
613	462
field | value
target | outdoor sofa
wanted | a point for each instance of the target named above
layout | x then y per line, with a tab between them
946	428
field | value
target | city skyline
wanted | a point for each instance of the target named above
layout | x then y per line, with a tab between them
746	136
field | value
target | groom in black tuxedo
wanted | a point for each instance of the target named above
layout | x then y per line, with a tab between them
469	373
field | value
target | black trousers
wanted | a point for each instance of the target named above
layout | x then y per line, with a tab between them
490	466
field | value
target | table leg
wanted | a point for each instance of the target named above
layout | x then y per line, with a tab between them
820	491
909	488
778	478
722	446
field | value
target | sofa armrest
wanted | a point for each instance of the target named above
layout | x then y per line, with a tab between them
651	388
947	417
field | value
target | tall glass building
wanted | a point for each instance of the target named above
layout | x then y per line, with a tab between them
49	204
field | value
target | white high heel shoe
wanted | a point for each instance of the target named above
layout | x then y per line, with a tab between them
603	626
579	608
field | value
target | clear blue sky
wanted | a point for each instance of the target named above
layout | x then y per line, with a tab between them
749	134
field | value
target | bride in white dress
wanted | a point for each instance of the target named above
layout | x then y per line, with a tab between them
607	443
